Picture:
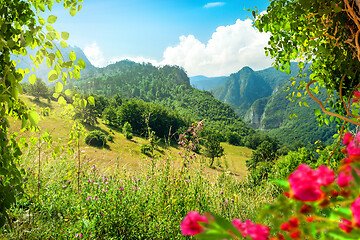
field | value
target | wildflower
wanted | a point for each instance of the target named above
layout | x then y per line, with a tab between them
355	209
345	225
252	230
190	225
78	235
121	189
305	183
88	198
64	186
347	138
134	188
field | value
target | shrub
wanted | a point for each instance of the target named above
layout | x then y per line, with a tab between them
146	149
96	138
127	131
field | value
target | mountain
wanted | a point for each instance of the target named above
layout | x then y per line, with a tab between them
168	86
261	99
242	89
43	70
206	83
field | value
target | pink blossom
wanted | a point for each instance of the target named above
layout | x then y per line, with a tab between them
345	225
345	175
355	209
347	138
252	230
190	225
305	183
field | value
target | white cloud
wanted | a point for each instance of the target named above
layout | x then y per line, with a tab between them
214	4
229	49
95	55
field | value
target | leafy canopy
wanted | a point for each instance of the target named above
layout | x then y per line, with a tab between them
323	33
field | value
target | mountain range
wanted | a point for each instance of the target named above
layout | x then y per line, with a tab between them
260	98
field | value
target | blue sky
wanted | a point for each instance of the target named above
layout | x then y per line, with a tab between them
189	33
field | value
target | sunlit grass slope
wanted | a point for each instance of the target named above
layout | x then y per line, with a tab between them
122	152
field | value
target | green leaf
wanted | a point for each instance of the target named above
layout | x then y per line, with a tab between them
81	64
327	122
72	56
73	11
62	100
41	21
317	112
65	35
51	19
63	44
83	103
67	92
91	100
59	87
55	95
49	28
52	76
32	79
34	117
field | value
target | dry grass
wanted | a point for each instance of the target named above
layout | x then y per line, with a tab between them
122	152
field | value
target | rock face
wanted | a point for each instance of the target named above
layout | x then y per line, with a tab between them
256	113
242	89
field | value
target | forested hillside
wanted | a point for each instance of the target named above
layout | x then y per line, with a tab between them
261	98
169	86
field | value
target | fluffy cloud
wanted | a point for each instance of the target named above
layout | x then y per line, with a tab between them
230	48
214	4
95	55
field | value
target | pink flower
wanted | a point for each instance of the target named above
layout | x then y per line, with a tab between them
305	183
353	149
252	230
345	176
345	225
347	138
355	209
190	225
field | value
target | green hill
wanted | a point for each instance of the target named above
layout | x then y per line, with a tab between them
168	86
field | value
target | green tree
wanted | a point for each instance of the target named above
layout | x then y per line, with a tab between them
266	152
127	130
39	89
325	34
22	27
213	149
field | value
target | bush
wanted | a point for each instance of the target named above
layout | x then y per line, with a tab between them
127	131
96	138
146	149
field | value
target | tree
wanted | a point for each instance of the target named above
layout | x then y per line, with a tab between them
39	89
213	148
266	152
23	27
325	34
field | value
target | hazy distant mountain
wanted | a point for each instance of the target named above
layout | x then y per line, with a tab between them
206	83
43	70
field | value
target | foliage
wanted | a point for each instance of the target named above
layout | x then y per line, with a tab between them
212	148
127	130
22	27
96	138
233	138
168	86
39	89
143	205
325	34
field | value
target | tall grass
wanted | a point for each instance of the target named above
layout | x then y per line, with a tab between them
148	204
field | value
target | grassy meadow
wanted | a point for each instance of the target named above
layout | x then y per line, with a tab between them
117	192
